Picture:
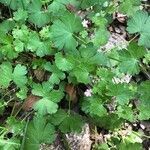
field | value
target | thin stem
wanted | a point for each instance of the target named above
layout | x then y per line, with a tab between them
8	142
6	103
141	135
144	70
24	137
22	5
18	111
8	92
13	109
69	109
27	116
80	39
10	10
114	59
133	38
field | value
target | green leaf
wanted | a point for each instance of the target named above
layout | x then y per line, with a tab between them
135	24
130	66
11	144
16	126
19	75
9	52
56	74
62	63
46	91
5	74
94	107
130	59
140	23
101	37
19	46
63	30
21	33
7	48
144	104
103	146
114	121
81	74
136	51
143	91
72	123
105	74
58	117
125	112
56	95
7	25
122	92
129	7
41	48
45	106
99	59
129	146
38	16
20	15
89	51
48	103
145	39
59	5
67	122
22	94
143	111
42	90
15	4
38	132
91	56
86	4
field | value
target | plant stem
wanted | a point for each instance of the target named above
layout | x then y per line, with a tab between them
114	59
10	10
25	131
80	39
145	71
133	38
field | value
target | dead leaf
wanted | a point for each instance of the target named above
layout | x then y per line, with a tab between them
71	8
72	92
29	102
39	74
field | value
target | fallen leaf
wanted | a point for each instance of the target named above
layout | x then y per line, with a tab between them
71	91
39	74
29	102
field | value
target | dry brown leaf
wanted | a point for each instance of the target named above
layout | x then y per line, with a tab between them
29	102
71	91
39	74
71	8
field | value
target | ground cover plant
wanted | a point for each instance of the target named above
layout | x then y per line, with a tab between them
55	75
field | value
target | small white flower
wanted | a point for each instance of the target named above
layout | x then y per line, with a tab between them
85	23
88	93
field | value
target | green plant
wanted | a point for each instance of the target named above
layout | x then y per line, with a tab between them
44	48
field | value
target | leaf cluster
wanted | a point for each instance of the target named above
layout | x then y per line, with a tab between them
45	46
